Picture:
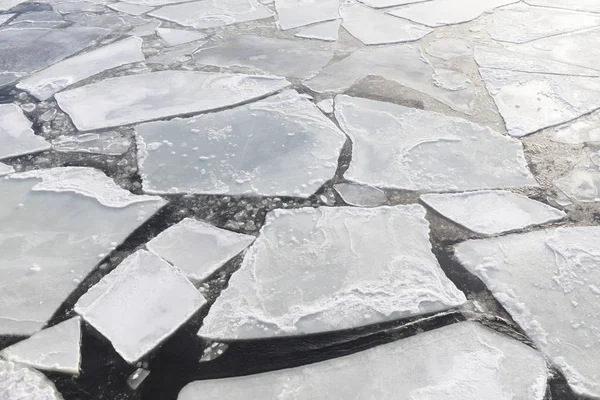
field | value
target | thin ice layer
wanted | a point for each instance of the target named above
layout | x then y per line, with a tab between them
326	269
54	228
456	362
197	248
327	31
139	304
282	145
549	281
18	382
109	143
6	169
53	349
16	135
160	94
407	148
174	37
295	13
492	212
46	83
356	194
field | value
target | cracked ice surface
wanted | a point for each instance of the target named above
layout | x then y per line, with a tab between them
549	281
579	5
582	130
18	382
296	13
16	136
174	37
197	248
388	3
582	184
160	94
327	31
407	148
109	143
55	226
318	270
456	362
139	304
282	145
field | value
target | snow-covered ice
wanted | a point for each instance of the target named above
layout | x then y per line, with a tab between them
16	136
327	31
296	13
174	37
17	382
356	194
109	143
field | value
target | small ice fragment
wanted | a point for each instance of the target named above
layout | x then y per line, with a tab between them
6	169
18	382
213	351
16	135
326	106
109	143
174	37
327	31
356	194
137	378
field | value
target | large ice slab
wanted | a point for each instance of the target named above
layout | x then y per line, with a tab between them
549	281
139	304
579	5
282	145
356	194
18	382
53	349
174	37
296	13
55	226
456	362
160	94
5	169
197	248
16	136
326	269
327	31
492	212
46	83
407	148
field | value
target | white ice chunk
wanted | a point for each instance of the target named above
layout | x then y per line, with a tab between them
492	212
174	37
326	269
456	362
197	248
46	83
327	31
578	5
582	130
160	94
213	13
549	282
16	136
145	29
282	145
296	13
55	226
131	9
356	194
53	349
407	148
6	169
137	378
326	106
139	304
18	382
388	3
5	17
374	27
109	143
448	48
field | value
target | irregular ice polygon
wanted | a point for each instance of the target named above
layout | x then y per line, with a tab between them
456	362
582	130
578	5
16	136
582	184
448	48
282	145
406	148
160	94
131	9
356	194
549	281
109	143
326	106
139	304
326	269
296	13
174	37
327	31
6	169
197	248
18	382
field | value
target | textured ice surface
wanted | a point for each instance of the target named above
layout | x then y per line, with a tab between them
582	184
16	136
5	169
18	382
549	281
213	13
407	148
317	270
109	143
327	31
46	83
579	5
387	3
160	94
55	226
456	362
53	349
356	194
139	304
174	37
197	248
582	130
295	13
492	212
255	54
448	48
375	27
132	9
282	145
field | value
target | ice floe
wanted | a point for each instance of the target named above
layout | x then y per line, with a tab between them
197	248
448	48
139	304
131	9
407	148
317	270
356	194
53	349
296	13
549	281
18	382
327	31
5	169
282	145
109	143
174	37
160	94
16	135
55	226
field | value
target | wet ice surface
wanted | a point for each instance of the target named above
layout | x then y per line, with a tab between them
20	382
16	134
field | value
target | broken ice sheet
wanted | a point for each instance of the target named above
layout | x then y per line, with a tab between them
582	184
356	194
18	382
78	6
5	169
461	361
549	281
318	270
6	5
578	5
174	37
52	349
160	94
326	106
46	83
55	226
213	13
16	136
252	54
131	9
282	145
139	304
177	54
197	248
492	212
582	130
406	148
296	13
448	48
109	143
388	3
374	27
327	31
